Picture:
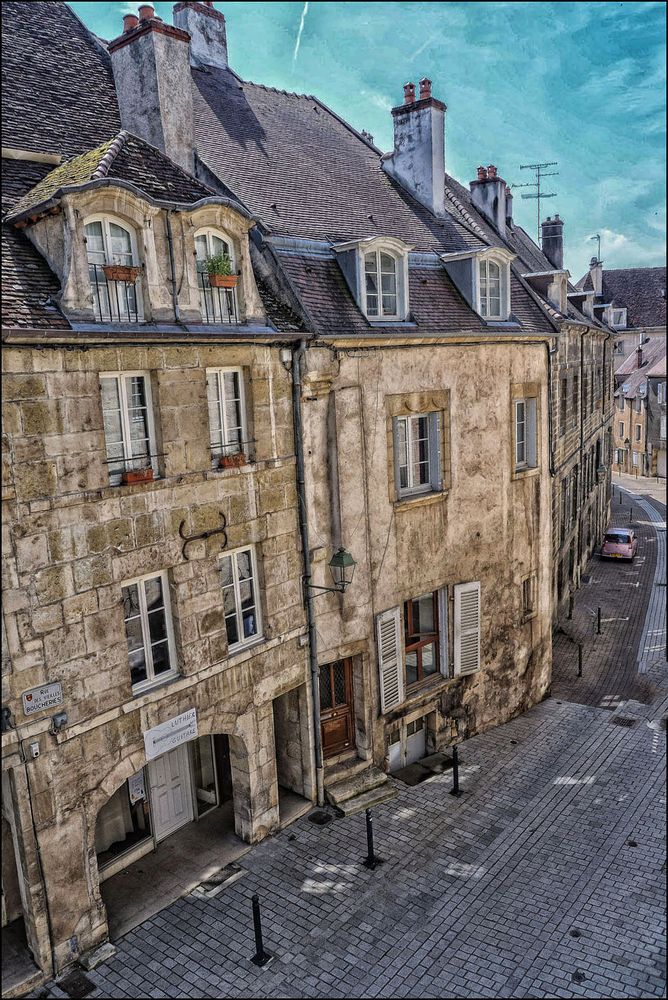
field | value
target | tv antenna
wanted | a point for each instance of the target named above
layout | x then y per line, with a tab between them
539	169
598	253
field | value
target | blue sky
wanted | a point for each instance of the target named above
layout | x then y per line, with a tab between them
579	83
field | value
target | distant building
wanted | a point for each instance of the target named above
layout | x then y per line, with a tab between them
639	427
631	300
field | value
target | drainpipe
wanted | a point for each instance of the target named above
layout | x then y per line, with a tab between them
170	244
550	352
297	356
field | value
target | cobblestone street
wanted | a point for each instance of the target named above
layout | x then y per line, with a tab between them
544	879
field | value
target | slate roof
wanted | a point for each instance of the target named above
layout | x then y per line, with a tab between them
305	172
629	377
58	93
125	157
642	290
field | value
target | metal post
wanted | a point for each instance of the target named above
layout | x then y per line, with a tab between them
261	957
571	600
620	496
455	772
579	659
371	860
630	515
598	622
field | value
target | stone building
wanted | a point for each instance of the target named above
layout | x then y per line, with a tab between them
639	431
182	460
630	300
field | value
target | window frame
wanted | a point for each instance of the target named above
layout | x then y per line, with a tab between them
225	448
434	459
208	232
529	608
259	635
105	218
530	438
153	680
427	639
400	279
638	432
504	288
120	378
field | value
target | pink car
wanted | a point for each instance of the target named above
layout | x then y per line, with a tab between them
619	543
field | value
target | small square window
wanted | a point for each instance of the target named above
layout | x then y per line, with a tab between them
417	454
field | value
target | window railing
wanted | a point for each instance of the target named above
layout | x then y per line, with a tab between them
219	305
113	301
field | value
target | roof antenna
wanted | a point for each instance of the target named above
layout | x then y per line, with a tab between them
598	252
538	168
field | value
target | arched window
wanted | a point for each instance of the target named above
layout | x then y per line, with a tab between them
214	251
380	283
113	266
490	289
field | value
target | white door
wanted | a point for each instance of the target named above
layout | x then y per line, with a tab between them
171	795
416	747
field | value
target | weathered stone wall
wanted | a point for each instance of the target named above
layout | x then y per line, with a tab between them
488	526
70	539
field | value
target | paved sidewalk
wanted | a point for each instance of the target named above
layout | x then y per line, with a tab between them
641	485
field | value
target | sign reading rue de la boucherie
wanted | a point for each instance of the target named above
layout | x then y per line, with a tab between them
40	698
170	734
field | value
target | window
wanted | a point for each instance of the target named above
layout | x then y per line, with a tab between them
661	392
240	602
620	456
148	629
525	433
529	596
128	424
638	432
380	285
618	318
621	403
227	411
563	406
421	651
621	428
490	290
218	305
638	404
113	268
635	458
574	493
576	397
417	453
662	431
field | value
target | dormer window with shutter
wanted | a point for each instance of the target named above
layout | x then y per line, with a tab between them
113	269
376	270
483	278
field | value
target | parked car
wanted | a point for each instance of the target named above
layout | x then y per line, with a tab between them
619	543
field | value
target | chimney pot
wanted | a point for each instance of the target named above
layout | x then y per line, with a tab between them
130	21
639	354
491	171
482	173
593	262
146	12
409	93
425	89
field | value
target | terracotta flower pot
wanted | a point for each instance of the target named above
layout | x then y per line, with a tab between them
137	476
232	461
223	280
121	272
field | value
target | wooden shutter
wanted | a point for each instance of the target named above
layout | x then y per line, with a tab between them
467	628
390	659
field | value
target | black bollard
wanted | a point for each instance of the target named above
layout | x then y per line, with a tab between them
455	772
598	622
570	606
371	860
261	957
579	659
620	496
631	514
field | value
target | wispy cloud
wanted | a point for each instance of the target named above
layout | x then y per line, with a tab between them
299	33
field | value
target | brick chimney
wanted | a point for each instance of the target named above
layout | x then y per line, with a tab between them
489	194
639	355
151	66
509	207
417	161
552	239
206	27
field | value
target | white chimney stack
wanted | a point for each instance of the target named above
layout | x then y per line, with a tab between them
418	159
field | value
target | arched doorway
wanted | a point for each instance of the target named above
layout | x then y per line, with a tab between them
165	830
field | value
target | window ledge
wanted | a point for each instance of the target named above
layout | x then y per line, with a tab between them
533	470
420	500
145	687
235	653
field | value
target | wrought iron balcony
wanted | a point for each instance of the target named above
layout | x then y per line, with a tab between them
219	305
113	301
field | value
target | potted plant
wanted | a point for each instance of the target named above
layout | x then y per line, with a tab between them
219	269
232	461
121	272
131	476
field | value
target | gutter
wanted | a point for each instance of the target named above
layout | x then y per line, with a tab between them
172	266
297	357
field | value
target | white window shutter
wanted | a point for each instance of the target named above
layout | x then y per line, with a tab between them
390	659
467	628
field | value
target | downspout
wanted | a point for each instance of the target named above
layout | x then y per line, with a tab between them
297	356
550	422
172	266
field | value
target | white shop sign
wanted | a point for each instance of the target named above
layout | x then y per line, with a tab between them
40	698
170	734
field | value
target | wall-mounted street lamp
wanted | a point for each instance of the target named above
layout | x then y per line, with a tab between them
342	567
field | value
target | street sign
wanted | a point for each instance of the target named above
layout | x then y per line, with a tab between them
40	698
170	734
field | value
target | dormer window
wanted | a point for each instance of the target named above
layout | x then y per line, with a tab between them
376	269
216	276
618	318
483	279
490	290
113	268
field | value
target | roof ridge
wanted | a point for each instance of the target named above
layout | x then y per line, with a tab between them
103	167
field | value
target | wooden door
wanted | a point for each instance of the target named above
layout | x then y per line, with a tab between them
171	792
336	707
